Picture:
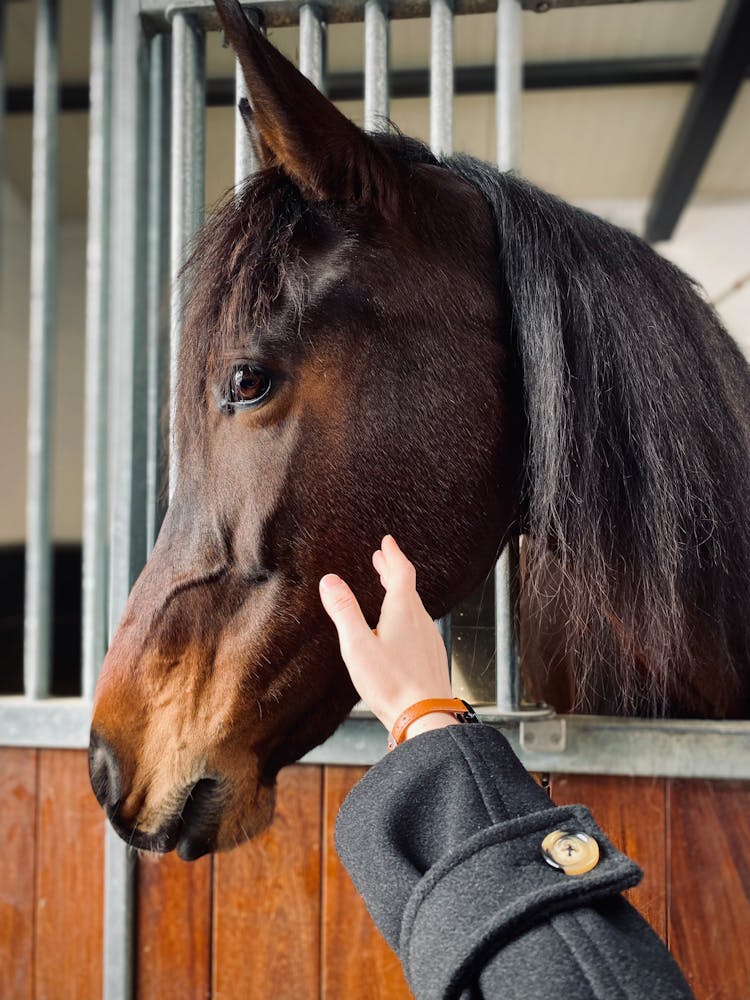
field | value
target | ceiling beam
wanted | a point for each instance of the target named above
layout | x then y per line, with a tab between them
723	69
416	82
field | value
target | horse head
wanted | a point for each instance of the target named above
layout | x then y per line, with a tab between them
375	341
342	375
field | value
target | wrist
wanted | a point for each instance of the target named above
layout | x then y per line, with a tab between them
429	713
434	720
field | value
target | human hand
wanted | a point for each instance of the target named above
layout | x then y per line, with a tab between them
403	660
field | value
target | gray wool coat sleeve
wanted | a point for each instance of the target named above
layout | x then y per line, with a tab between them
442	840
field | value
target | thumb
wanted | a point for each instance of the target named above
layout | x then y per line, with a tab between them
344	611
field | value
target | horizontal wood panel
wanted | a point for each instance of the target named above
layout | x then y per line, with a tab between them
267	901
709	897
282	914
18	775
632	813
70	862
356	960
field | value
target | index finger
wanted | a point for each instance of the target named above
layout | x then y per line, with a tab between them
400	573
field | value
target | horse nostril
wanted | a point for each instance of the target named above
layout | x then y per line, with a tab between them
104	772
200	819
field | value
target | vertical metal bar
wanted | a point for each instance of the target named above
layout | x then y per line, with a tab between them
441	141
2	117
119	913
97	354
157	331
508	82
245	162
312	44
244	156
41	345
188	195
445	628
376	66
509	66
508	689
128	305
441	77
127	468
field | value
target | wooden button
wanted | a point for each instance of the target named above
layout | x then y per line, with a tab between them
573	852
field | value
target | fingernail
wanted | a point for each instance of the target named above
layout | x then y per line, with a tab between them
330	582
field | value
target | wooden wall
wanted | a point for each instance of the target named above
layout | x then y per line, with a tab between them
278	917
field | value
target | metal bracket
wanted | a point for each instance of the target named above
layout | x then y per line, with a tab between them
543	735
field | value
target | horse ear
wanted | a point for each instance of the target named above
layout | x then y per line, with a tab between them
292	125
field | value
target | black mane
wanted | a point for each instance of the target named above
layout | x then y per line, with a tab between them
637	408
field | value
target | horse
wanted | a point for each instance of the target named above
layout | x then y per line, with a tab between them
380	340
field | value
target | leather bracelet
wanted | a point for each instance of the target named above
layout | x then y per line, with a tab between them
461	709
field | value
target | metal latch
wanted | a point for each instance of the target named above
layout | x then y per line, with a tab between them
542	735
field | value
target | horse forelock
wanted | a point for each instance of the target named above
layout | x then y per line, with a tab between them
239	264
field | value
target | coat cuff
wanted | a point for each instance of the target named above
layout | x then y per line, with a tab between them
524	890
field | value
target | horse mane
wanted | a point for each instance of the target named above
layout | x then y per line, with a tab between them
637	452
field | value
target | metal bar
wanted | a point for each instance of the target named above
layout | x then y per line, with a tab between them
188	196
127	467
672	748
244	157
245	161
445	628
350	86
94	634
157	332
119	910
4	100
37	610
724	69
441	141
509	63
281	13
128	308
593	745
508	688
312	44
376	66
441	77
60	723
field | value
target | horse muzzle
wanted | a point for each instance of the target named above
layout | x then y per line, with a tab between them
191	828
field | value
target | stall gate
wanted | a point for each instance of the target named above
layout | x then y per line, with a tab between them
80	915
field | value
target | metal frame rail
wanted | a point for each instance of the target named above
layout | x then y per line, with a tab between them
147	134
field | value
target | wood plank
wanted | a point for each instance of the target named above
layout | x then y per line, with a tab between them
70	863
173	944
266	916
632	813
356	960
709	885
18	774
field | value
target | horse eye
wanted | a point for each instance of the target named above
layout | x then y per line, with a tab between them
248	386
